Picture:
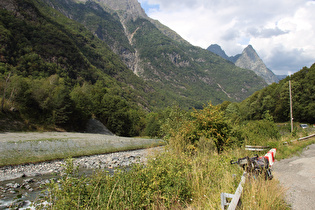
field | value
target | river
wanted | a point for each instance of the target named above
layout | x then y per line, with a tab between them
26	180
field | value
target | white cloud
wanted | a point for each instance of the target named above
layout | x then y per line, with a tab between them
281	31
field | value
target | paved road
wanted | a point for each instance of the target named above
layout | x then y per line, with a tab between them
297	174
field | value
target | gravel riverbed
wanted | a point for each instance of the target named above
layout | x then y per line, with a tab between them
19	148
111	160
27	179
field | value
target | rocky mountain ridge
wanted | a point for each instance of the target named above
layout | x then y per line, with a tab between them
248	59
168	66
170	47
215	48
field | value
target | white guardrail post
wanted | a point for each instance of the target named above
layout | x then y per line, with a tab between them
256	148
235	197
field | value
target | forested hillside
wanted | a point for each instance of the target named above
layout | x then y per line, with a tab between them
61	74
63	62
276	99
189	75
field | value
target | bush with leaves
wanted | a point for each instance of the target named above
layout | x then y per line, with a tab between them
258	132
163	182
207	124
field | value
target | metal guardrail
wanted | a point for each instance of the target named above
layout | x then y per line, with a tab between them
235	197
256	148
300	139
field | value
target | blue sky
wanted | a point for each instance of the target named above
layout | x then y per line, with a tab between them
148	7
281	31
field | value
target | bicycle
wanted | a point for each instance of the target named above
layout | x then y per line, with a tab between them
255	166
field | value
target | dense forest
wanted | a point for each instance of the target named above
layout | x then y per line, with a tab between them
61	75
256	114
276	99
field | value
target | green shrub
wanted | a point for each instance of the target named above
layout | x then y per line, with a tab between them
162	182
168	181
258	132
207	124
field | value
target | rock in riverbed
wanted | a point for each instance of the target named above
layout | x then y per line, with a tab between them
111	160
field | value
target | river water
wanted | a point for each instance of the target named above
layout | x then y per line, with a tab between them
21	192
27	181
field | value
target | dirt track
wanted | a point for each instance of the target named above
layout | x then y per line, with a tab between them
297	174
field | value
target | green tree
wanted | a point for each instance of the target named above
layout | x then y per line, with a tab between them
207	124
82	98
153	125
232	113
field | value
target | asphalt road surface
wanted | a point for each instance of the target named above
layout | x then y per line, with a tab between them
297	175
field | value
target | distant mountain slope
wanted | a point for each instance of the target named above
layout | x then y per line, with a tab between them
158	67
249	59
218	50
183	73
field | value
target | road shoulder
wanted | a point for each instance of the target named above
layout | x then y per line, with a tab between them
297	175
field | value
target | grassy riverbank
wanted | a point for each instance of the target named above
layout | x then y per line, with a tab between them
191	174
171	180
20	148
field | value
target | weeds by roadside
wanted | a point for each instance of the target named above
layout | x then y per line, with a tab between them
262	194
167	181
192	174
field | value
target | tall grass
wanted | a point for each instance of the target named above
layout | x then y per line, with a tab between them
262	194
191	174
168	181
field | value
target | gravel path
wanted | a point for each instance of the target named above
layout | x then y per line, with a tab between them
297	174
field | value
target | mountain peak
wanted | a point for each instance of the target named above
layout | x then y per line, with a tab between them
132	8
215	48
250	55
249	47
249	59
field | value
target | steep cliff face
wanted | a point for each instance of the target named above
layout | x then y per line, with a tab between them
129	11
249	59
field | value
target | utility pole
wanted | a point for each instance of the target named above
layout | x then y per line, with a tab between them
291	114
